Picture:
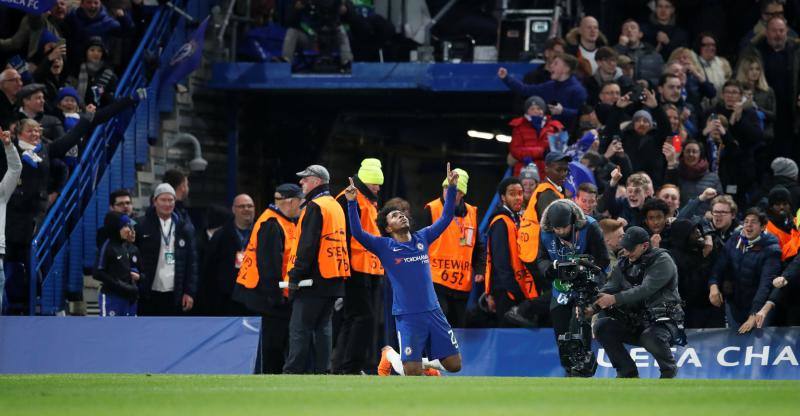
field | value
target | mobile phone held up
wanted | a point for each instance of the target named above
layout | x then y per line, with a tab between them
676	143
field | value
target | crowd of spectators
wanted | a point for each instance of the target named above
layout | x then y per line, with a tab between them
698	149
58	76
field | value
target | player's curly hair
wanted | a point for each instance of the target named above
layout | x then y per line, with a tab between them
384	212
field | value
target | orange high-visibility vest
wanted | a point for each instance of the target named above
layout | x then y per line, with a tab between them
451	254
361	259
789	242
248	273
521	274
332	258
528	235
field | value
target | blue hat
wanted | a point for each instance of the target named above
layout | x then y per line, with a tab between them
553	157
47	37
67	92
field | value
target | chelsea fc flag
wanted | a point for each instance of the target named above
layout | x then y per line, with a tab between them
35	7
187	58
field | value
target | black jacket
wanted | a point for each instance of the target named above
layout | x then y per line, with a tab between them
693	268
306	265
29	200
745	276
645	151
115	261
658	285
219	271
743	140
502	271
266	298
8	112
148	240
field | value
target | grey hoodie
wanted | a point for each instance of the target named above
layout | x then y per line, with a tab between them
7	187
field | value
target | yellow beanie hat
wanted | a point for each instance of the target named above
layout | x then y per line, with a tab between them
370	172
463	179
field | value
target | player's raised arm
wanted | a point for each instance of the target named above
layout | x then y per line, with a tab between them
437	228
367	240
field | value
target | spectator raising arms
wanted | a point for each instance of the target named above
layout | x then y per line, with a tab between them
564	93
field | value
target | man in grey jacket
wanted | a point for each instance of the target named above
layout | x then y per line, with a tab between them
7	186
645	285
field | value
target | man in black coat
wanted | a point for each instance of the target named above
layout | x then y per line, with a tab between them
312	306
168	258
223	259
275	232
31	102
694	266
10	84
28	203
781	57
645	283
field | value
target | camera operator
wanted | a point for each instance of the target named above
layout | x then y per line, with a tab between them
644	287
317	22
566	232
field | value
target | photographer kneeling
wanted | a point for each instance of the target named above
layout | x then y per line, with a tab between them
645	285
566	234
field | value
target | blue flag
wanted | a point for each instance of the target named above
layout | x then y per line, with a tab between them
187	58
35	7
578	174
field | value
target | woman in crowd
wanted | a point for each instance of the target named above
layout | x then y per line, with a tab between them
716	68
750	74
693	172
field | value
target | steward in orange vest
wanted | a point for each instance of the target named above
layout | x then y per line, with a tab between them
363	285
507	281
322	257
549	190
781	224
457	253
265	264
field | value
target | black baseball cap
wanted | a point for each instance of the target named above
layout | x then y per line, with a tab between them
556	157
289	190
633	237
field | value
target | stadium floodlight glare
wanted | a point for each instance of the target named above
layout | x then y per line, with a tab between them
480	134
503	138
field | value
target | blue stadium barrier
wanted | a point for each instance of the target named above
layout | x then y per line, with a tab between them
64	246
38	345
228	346
437	77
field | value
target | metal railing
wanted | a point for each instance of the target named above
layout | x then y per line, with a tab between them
65	241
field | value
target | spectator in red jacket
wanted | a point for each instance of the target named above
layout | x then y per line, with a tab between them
529	141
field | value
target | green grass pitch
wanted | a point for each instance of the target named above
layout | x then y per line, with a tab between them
142	395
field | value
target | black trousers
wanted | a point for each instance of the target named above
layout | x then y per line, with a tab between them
453	307
656	339
502	304
310	335
273	344
356	335
704	317
159	304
